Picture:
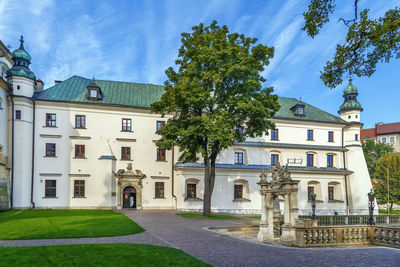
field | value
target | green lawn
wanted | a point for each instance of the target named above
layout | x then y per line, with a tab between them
254	217
39	224
212	217
391	212
96	255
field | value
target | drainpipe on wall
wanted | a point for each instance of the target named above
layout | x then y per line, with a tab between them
12	151
173	177
33	151
345	167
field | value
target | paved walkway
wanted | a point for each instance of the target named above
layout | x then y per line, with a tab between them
166	229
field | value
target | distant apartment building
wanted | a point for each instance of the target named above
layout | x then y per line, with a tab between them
383	133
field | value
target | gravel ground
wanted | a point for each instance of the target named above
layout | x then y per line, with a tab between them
166	229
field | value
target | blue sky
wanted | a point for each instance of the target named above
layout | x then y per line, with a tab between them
136	41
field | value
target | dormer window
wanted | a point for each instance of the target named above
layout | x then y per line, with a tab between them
93	93
298	109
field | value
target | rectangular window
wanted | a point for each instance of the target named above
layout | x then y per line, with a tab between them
159	190
80	121
392	139
356	137
125	153
50	188
50	150
383	140
329	162
79	188
310	135
18	114
50	120
330	136
238	157
79	151
238	191
274	159
126	125
310	190
274	134
191	190
310	159
160	154
330	192
160	124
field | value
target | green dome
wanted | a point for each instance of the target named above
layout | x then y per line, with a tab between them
23	72
21	53
350	104
350	89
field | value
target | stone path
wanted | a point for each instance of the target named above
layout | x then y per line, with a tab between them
166	229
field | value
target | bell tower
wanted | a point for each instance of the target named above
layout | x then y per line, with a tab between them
351	109
23	84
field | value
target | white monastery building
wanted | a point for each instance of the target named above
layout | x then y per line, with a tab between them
86	143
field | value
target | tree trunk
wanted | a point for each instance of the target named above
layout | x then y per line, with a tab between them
212	171
207	189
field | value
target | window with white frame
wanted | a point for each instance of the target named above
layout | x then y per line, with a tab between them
392	139
383	140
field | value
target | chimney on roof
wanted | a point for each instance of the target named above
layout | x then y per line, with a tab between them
379	123
57	82
39	85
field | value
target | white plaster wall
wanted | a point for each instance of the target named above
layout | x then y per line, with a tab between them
351	115
26	86
22	154
295	132
103	127
359	181
262	156
223	194
3	121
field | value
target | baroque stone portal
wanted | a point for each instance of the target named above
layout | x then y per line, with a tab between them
129	180
281	184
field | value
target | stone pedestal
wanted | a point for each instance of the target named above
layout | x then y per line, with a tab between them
266	233
288	236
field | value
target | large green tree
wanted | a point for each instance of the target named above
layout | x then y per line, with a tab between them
388	162
216	97
368	41
373	152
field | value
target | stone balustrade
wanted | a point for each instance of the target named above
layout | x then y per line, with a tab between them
387	236
321	236
354	219
318	236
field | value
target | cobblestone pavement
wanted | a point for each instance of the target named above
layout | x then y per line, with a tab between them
167	229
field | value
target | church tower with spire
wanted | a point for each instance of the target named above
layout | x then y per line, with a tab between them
23	83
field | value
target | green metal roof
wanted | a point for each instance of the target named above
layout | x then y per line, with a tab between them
75	89
350	89
21	53
311	113
127	94
350	104
19	71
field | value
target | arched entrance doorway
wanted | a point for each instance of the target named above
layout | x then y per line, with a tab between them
129	197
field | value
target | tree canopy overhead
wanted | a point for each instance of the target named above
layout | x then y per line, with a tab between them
368	41
216	97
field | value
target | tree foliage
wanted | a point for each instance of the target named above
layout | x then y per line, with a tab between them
391	161
368	41
373	152
216	97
